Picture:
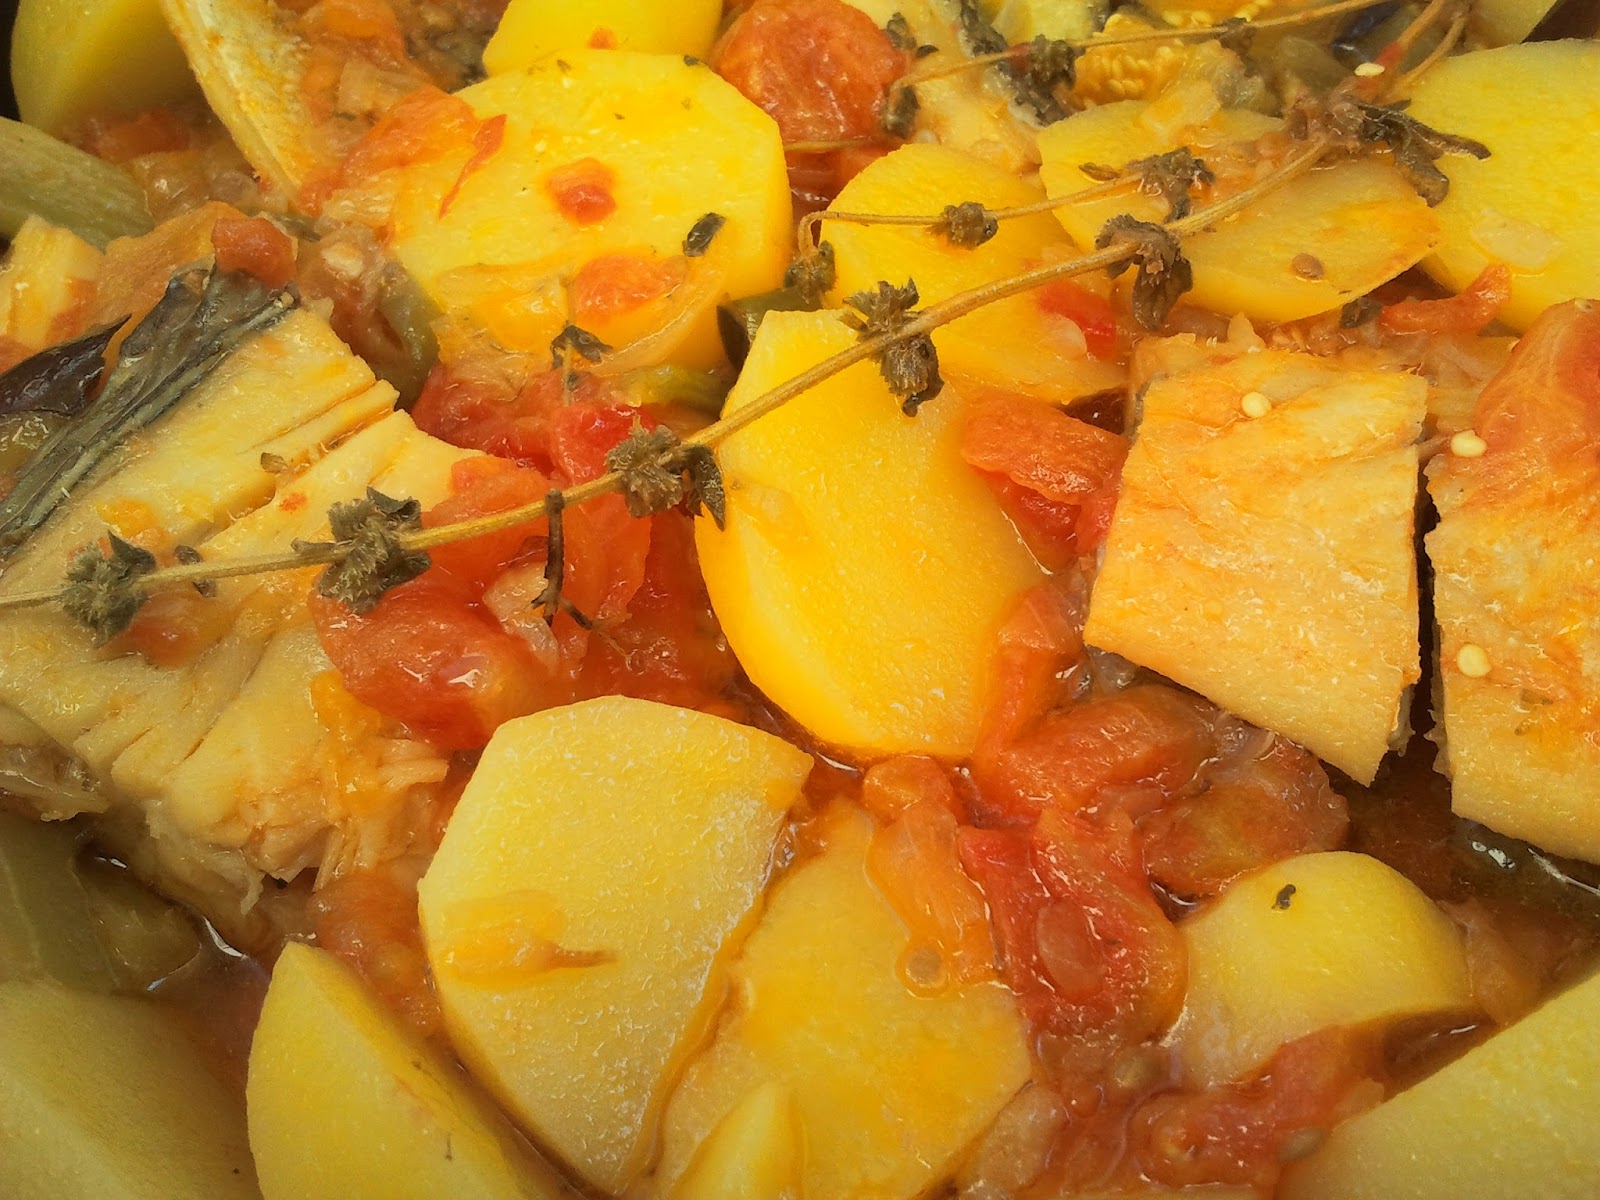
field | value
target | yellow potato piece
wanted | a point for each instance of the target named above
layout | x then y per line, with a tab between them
535	29
1529	204
1510	1119
49	275
596	869
865	568
1360	221
73	59
754	1153
1013	343
344	1101
1319	940
676	142
890	1088
106	1098
1262	550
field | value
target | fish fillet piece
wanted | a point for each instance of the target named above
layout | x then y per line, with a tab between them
1516	563
1262	549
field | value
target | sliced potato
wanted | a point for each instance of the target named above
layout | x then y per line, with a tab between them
1504	22
532	30
1510	1119
1318	940
105	1098
889	1088
1358	222
649	144
344	1101
1529	204
755	1152
1013	344
599	865
73	59
865	567
47	282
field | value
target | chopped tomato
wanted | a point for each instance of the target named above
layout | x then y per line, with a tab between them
1468	311
422	124
1251	814
1243	1133
369	919
1041	655
1091	313
822	70
370	21
1135	750
1056	475
584	191
118	139
486	143
613	284
430	657
484	414
256	246
1083	942
479	487
895	785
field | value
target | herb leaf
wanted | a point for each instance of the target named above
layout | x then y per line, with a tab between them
1164	274
702	234
967	224
101	592
374	559
59	379
909	365
572	340
200	320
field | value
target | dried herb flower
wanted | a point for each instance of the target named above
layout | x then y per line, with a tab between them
967	224
1355	125
977	33
102	593
909	365
374	559
189	556
660	472
701	235
1164	274
898	31
1358	312
812	274
1238	35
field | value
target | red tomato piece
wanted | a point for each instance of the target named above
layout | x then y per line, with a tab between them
613	284
256	246
429	657
1468	311
1252	813
1091	313
1041	653
479	487
422	124
584	191
118	139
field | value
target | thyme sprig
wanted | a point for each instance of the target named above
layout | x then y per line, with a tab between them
129	582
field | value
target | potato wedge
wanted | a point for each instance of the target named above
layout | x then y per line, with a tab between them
1318	940
1014	344
1511	1118
1359	220
106	1098
865	567
1528	205
73	59
532	30
605	153
600	864
344	1101
888	1087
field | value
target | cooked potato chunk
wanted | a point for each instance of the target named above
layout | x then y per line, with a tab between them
889	1087
1359	221
605	155
344	1101
1528	205
1511	1118
865	568
532	30
754	1153
576	915
105	1098
72	59
1517	590
1014	344
1319	940
46	283
1261	551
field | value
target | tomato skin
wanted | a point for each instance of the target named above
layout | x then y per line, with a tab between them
1468	311
613	284
1041	657
1091	313
479	487
430	657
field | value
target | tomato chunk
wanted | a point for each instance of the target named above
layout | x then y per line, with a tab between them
256	246
584	191
1468	311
